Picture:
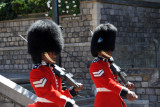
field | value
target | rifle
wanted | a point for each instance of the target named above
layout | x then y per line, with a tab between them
116	69
67	76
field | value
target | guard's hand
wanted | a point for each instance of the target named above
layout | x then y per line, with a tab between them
131	86
131	96
78	88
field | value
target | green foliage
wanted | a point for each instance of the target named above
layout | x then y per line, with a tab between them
71	7
29	6
6	12
20	7
9	9
38	5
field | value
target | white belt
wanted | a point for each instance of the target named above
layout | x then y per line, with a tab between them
103	90
39	99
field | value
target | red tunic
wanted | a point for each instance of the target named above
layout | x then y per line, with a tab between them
108	87
48	88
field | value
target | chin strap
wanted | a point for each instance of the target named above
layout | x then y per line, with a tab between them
48	57
105	54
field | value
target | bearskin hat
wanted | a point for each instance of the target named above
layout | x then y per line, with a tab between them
44	36
103	39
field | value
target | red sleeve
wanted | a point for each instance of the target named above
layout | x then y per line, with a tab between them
44	89
103	78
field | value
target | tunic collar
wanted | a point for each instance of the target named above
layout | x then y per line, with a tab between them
103	59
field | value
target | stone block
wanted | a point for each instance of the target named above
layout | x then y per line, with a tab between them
66	65
11	67
73	40
159	99
3	29
6	67
68	59
89	17
144	97
25	66
145	78
157	104
22	29
77	29
75	54
89	5
70	64
76	64
86	23
81	24
78	70
16	24
137	84
138	78
153	98
144	84
129	78
80	54
3	104
150	91
86	11
82	64
140	91
137	103
152	105
157	91
25	23
8	29
1	24
75	24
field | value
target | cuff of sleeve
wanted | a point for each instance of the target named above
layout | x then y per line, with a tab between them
72	91
67	100
123	92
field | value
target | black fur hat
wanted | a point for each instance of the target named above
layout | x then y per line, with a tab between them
103	38
44	36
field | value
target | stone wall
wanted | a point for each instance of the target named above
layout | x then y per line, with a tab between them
137	41
76	57
137	31
5	102
146	86
13	50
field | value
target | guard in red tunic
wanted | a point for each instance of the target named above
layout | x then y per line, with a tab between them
44	43
109	90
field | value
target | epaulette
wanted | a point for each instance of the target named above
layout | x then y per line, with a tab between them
36	66
95	60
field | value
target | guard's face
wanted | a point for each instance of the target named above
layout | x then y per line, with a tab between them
52	55
105	54
109	53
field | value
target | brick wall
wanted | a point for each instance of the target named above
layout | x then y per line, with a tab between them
137	29
13	50
146	86
76	56
137	41
136	45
